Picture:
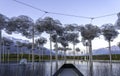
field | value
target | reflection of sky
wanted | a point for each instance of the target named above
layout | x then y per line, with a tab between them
89	8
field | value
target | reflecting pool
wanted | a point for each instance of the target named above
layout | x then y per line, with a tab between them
47	68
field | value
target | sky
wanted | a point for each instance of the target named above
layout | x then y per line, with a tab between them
87	8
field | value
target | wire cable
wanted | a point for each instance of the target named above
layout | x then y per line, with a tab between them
70	15
50	12
106	15
46	12
29	5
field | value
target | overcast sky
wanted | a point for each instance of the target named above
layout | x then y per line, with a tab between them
88	8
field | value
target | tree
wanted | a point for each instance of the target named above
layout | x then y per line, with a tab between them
24	25
86	44
117	24
64	42
3	23
118	44
40	42
71	27
23	45
55	38
49	25
3	48
29	46
89	32
20	52
17	48
110	33
78	50
8	43
72	35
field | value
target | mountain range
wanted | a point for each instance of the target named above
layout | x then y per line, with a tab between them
102	51
13	49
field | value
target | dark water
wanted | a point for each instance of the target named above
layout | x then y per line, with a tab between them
49	68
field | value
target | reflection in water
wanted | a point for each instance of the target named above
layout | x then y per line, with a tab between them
51	68
22	70
56	65
90	73
48	69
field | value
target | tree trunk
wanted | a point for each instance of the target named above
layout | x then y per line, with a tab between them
22	53
110	56
78	56
56	51
90	51
39	54
65	59
0	44
87	49
42	51
86	52
90	58
56	55
50	48
3	51
8	56
29	54
33	46
74	52
91	72
17	54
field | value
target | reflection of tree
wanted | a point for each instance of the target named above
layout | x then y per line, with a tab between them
102	71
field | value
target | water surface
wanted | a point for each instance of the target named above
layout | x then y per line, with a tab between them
49	68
